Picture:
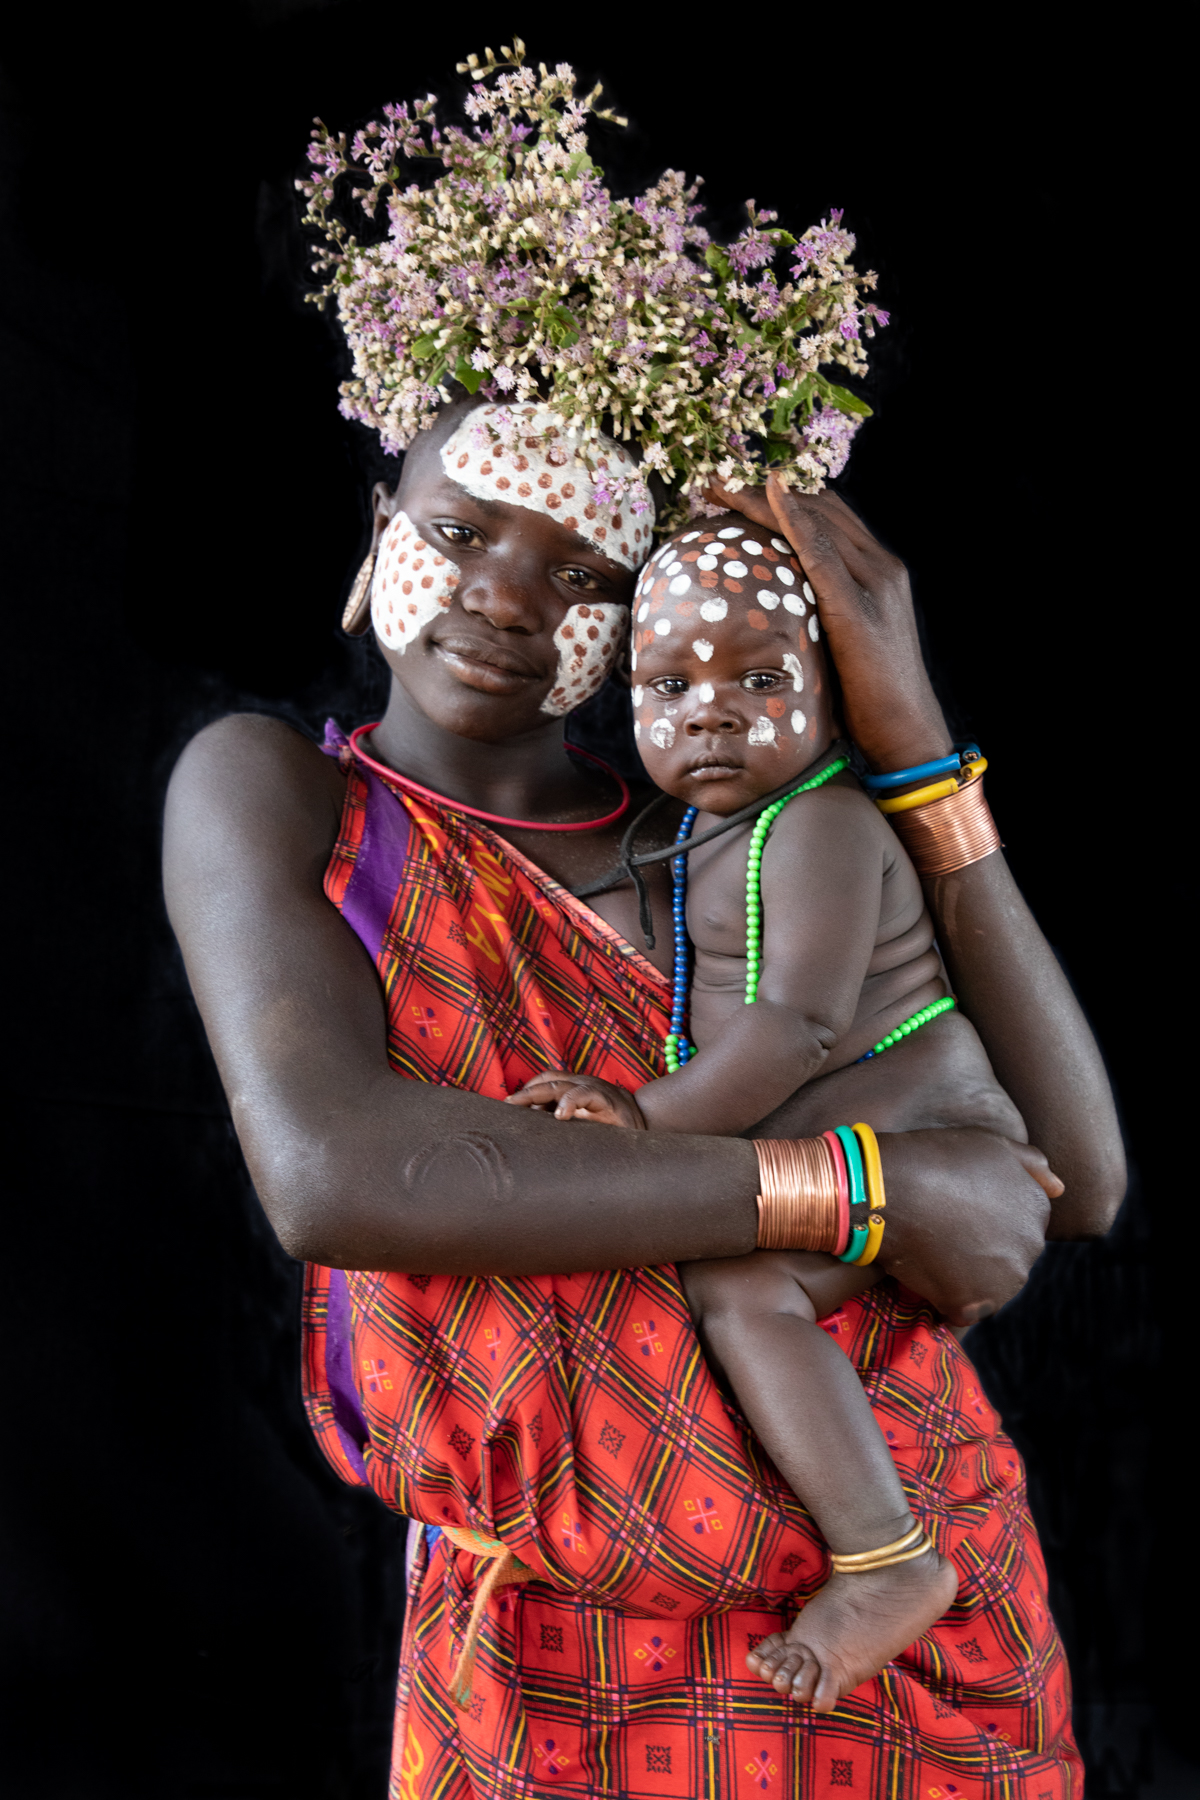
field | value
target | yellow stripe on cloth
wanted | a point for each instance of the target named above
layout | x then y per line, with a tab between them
506	1570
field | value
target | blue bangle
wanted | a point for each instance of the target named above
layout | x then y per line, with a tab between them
943	765
858	1190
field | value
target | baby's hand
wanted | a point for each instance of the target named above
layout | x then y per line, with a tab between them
580	1097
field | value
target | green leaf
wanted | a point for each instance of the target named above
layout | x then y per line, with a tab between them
845	401
716	259
471	378
424	346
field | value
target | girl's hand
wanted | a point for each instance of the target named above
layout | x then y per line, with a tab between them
865	606
580	1097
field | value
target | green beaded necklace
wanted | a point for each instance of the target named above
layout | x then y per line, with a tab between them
758	838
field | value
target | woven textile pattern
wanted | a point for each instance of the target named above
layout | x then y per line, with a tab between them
574	1418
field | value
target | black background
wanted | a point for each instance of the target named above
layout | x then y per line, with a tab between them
194	1606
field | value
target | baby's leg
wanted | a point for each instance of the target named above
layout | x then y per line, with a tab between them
808	1409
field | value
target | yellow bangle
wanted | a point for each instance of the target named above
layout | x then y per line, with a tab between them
937	790
873	1172
875	1224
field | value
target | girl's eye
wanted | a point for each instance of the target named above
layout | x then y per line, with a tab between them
579	578
761	681
669	685
458	534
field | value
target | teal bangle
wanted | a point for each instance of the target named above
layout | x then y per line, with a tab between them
858	1191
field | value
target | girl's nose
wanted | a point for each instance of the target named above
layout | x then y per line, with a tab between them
502	598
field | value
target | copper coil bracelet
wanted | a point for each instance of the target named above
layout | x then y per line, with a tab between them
798	1195
949	833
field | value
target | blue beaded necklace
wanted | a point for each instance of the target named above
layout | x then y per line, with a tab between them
678	1048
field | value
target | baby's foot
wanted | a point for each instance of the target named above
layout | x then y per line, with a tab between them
852	1627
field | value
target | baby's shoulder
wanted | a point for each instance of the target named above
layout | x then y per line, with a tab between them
838	807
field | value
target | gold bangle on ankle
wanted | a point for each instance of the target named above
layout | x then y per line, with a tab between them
915	1542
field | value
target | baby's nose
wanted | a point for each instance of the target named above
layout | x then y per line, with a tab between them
708	713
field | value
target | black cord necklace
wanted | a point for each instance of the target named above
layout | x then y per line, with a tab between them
629	867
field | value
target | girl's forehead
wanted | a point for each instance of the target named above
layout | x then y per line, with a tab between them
732	571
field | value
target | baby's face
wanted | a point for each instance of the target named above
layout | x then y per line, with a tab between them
730	694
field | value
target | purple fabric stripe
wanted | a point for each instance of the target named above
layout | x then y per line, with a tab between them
371	891
339	1373
373	886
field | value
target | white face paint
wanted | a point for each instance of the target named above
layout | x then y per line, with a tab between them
706	693
813	627
794	604
791	663
809	595
662	734
761	732
588	641
783	549
786	576
730	531
798	722
639	695
714	610
662	627
535	466
767	599
738	570
703	648
750	548
412	584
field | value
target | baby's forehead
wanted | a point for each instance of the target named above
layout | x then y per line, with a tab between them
730	569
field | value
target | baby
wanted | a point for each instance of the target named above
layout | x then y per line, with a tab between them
732	699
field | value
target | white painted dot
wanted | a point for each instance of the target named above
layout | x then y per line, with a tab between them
786	576
680	585
674	567
706	562
809	595
643	609
794	604
637	728
633	659
783	549
702	648
670	712
798	722
714	609
689	537
737	570
706	693
766	598
813	627
761	732
662	734
750	548
639	695
730	531
791	663
662	626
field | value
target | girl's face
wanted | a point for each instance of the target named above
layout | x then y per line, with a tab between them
495	618
731	695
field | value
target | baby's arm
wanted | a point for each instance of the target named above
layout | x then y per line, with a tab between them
821	882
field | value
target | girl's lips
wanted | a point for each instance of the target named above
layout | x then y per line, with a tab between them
483	666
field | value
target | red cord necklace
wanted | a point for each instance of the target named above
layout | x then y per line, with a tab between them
475	812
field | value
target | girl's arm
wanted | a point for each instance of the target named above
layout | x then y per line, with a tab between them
358	1168
1002	969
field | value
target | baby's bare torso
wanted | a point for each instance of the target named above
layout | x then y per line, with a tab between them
903	967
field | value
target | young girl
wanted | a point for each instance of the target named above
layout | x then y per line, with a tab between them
732	703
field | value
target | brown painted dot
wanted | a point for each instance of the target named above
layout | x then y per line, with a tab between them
420	544
568	631
794	564
531	443
412	609
485	468
418	563
570	522
568	489
407	588
463	460
708	537
771	555
589	511
757	620
427	581
552	500
689	556
760	572
585	612
439	562
617	521
521	463
593	632
545	478
402	558
686	608
735	587
601	533
502	481
624	549
708	578
776	707
524	490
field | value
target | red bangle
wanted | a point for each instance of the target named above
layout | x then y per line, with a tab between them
843	1189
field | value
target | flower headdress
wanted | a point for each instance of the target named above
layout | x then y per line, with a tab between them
517	274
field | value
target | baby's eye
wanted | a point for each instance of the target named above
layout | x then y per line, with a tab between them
761	681
458	534
668	686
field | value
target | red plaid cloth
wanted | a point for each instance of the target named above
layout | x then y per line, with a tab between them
574	1418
